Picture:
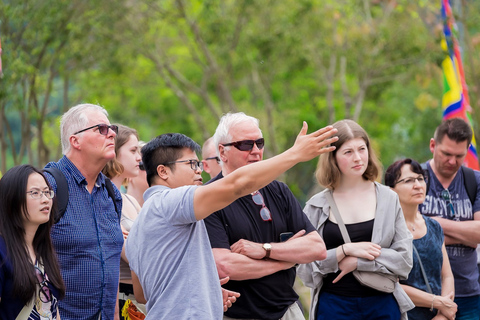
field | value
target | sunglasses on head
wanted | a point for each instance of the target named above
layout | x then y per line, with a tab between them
102	129
246	145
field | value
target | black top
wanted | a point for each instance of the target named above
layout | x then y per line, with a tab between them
347	286
268	297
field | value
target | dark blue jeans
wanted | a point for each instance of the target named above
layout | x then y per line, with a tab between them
468	308
335	307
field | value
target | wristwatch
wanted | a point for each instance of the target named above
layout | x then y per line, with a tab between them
268	248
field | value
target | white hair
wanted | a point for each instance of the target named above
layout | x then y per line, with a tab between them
229	120
75	120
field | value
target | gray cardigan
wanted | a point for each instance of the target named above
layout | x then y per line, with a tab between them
389	231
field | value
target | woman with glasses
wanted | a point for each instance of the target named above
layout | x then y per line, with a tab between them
126	165
30	279
379	242
430	284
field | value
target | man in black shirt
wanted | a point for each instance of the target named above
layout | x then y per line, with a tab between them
249	237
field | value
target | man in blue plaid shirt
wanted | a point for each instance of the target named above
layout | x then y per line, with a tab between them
88	238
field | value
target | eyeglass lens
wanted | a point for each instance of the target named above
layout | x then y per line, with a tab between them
264	212
103	129
37	194
247	145
44	289
194	164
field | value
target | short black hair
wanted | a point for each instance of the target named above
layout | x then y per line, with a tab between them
165	148
455	129
395	170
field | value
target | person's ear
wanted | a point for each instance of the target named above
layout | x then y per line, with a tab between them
206	168
221	151
432	145
74	142
163	171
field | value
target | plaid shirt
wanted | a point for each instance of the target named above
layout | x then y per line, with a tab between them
88	240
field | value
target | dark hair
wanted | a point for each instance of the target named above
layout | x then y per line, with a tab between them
165	148
394	171
456	129
113	167
328	173
13	207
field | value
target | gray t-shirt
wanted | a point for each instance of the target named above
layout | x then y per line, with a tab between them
169	251
463	259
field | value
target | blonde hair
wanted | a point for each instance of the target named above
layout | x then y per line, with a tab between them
327	173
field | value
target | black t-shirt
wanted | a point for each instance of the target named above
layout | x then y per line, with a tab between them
268	297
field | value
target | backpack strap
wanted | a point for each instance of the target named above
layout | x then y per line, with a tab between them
470	183
111	193
61	192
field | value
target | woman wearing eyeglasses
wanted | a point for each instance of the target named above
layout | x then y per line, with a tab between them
126	165
30	279
379	242
431	289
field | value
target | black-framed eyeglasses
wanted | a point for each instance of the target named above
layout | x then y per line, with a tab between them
45	295
102	128
194	164
214	158
141	166
264	212
447	197
246	145
37	194
411	180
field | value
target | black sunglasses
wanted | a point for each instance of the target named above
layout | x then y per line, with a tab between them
447	197
102	129
141	166
246	145
214	158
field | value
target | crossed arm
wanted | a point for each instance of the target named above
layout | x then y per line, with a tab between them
245	260
461	232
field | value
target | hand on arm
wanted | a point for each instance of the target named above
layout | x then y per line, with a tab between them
366	250
298	249
346	265
240	267
444	304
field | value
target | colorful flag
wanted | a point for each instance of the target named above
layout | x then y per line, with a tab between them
455	101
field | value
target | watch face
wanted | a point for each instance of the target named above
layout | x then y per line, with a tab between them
267	246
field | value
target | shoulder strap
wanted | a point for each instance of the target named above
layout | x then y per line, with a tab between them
429	289
470	183
427	174
111	193
338	217
61	192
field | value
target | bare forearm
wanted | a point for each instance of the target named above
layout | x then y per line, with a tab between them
240	267
419	298
300	250
464	232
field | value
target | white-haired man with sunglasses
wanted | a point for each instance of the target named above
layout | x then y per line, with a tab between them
88	239
258	239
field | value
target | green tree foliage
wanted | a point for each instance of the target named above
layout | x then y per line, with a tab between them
177	65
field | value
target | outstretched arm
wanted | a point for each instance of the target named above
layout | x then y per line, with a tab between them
245	180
